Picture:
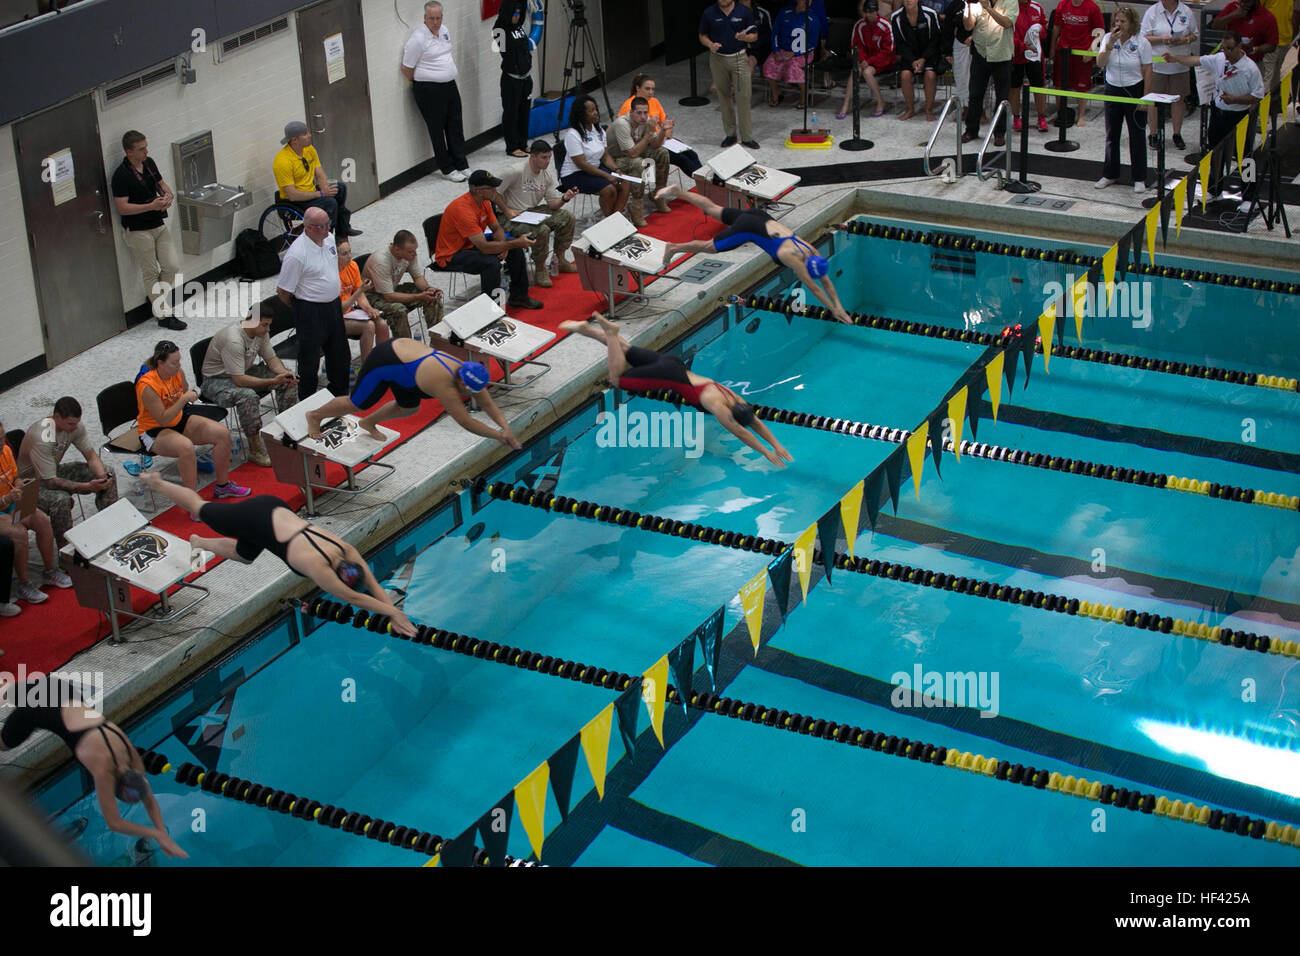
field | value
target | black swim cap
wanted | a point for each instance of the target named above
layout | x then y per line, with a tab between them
350	573
131	786
743	413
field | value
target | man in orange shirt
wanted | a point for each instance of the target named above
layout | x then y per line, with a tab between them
463	245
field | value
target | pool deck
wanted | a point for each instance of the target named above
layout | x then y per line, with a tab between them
156	658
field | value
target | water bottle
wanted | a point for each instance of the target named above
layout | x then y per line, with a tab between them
812	119
553	265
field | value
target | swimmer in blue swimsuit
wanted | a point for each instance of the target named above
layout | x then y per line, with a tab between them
399	366
778	241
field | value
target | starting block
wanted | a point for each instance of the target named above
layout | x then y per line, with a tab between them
117	549
299	460
616	257
485	329
745	181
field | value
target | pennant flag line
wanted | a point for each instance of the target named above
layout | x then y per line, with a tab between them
803	550
530	798
1152	220
916	454
850	506
956	414
827	532
494	829
1203	171
563	764
1242	128
751	601
936	439
894	474
654	693
1046	328
875	493
1180	203
993	372
709	635
682	661
778	573
1108	271
626	708
1264	105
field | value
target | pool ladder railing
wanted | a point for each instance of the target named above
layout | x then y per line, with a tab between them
1004	156
951	108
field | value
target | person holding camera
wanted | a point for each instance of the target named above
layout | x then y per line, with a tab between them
992	25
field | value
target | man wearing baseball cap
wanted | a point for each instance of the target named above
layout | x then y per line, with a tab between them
463	245
240	367
302	182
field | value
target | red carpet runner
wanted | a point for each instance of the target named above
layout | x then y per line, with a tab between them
46	636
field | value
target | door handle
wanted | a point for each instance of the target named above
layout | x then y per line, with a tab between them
98	222
320	121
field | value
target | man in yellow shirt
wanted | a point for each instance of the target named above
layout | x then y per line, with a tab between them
1285	12
302	182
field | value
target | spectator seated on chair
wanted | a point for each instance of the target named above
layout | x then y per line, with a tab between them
635	138
41	457
918	36
362	320
394	298
587	163
168	427
792	49
873	55
463	245
530	186
643	85
15	528
301	181
239	367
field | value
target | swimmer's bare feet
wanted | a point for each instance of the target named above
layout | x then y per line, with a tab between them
907	114
608	326
373	431
313	423
573	325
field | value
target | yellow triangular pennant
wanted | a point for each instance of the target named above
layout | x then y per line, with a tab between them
434	860
751	600
654	690
1284	93
850	507
530	799
1046	328
993	374
1180	200
916	454
1108	270
803	555
1264	105
1079	297
957	415
1153	223
595	746
1203	170
1242	127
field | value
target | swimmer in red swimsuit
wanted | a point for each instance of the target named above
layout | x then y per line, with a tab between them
635	368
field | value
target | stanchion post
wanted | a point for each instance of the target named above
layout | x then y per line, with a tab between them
857	143
1061	144
694	99
1022	183
1193	158
1160	157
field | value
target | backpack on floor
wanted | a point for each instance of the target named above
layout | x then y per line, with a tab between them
255	257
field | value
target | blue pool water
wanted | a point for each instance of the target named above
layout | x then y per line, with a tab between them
432	740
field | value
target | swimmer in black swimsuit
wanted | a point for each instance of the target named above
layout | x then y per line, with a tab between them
633	367
97	744
778	241
265	523
399	366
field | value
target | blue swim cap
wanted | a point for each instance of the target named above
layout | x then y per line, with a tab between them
818	266
474	375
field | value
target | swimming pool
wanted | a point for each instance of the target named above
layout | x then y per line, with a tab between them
434	740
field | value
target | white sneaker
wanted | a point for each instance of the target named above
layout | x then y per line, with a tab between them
58	578
10	610
1104	182
456	176
1139	187
26	591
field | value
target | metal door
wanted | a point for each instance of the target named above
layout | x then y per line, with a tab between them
69	228
332	51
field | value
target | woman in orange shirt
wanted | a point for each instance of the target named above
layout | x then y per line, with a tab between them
16	528
643	84
352	292
167	427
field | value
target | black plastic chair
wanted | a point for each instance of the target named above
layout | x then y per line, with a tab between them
15	439
198	352
431	226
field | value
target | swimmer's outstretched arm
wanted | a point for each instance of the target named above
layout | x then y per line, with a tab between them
105	781
745	435
766	434
832	301
380	603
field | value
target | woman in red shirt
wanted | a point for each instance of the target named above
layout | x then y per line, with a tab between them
1078	24
873	51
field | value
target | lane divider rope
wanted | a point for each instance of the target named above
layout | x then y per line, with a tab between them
1015	456
1225	636
788	306
304	808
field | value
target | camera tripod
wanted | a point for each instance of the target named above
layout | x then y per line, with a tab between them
579	46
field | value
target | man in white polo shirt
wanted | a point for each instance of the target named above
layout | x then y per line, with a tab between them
427	63
309	284
1170	27
1238	87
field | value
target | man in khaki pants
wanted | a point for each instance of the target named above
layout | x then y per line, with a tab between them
725	28
142	199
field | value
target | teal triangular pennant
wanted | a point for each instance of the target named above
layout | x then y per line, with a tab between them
873	495
628	708
709	634
893	468
681	661
935	437
460	851
1029	342
562	765
828	531
494	829
778	573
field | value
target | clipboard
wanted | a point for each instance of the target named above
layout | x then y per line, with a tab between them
31	494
